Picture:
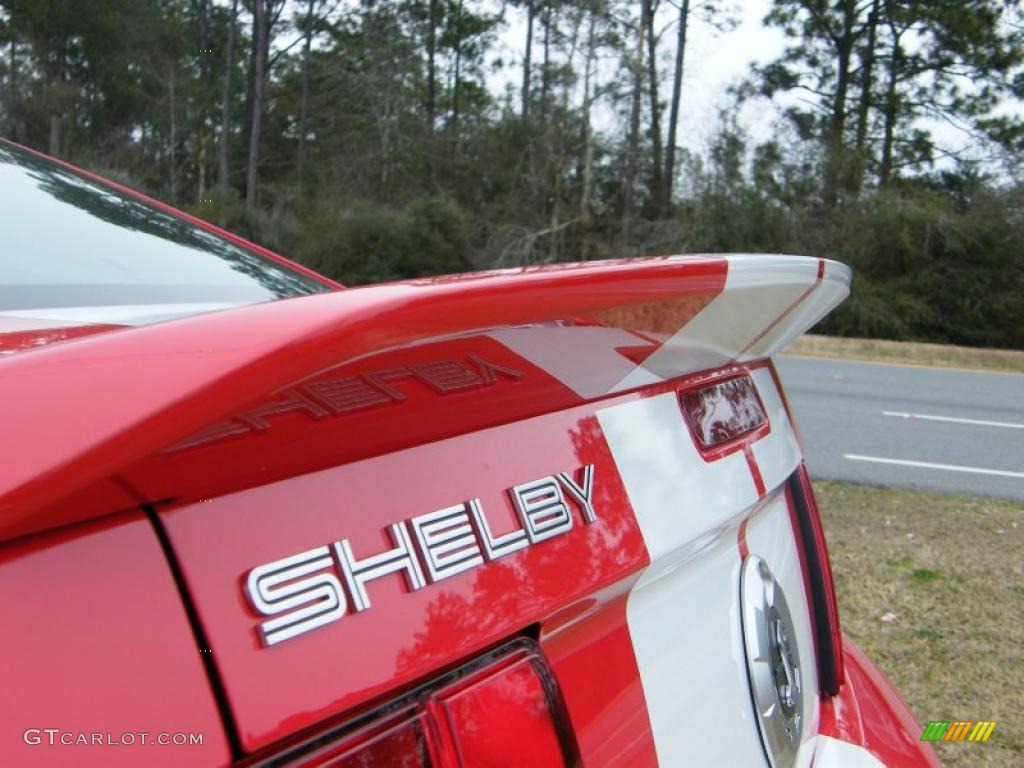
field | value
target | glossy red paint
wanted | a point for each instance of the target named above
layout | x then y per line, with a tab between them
741	537
408	396
116	398
591	653
271	429
501	709
869	712
179	214
96	641
399	741
503	715
278	690
21	341
755	472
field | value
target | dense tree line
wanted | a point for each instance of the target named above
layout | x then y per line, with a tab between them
373	140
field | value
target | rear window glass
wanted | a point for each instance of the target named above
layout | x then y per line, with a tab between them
71	244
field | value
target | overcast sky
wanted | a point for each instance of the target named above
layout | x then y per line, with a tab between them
714	61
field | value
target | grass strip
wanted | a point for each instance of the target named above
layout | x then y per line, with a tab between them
908	353
932	587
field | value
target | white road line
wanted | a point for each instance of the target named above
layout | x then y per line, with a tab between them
978	422
929	465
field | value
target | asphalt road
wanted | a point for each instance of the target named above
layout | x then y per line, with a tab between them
931	429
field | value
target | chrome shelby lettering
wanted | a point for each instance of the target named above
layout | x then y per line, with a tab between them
304	591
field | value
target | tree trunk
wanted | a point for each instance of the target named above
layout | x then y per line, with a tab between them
432	66
250	86
12	89
259	31
527	60
174	137
895	62
586	220
545	72
203	19
837	120
304	98
205	108
669	174
56	118
649	7
554	242
864	107
588	133
458	76
55	135
225	103
632	147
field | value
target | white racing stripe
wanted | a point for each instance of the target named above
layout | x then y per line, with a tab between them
826	294
677	497
930	465
767	302
770	535
584	358
953	420
683	613
778	453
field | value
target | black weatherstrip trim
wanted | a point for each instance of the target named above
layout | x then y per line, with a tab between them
219	694
823	634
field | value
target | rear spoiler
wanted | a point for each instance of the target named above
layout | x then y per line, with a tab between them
76	413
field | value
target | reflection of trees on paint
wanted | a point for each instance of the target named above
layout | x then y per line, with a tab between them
724	411
609	497
125	212
514	591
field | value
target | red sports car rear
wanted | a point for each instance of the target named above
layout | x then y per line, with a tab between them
554	516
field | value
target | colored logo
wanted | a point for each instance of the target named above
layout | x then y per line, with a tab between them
958	730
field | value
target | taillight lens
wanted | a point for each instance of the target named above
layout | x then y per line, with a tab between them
501	710
399	743
720	414
821	588
503	718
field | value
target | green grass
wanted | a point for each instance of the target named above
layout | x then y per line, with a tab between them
951	572
924	575
908	353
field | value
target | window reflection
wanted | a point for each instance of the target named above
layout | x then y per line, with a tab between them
70	241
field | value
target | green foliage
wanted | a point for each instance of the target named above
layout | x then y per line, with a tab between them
935	259
386	151
436	232
872	70
356	242
929	268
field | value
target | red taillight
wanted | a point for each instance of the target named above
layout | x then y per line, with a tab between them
502	718
821	589
720	414
498	711
397	743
